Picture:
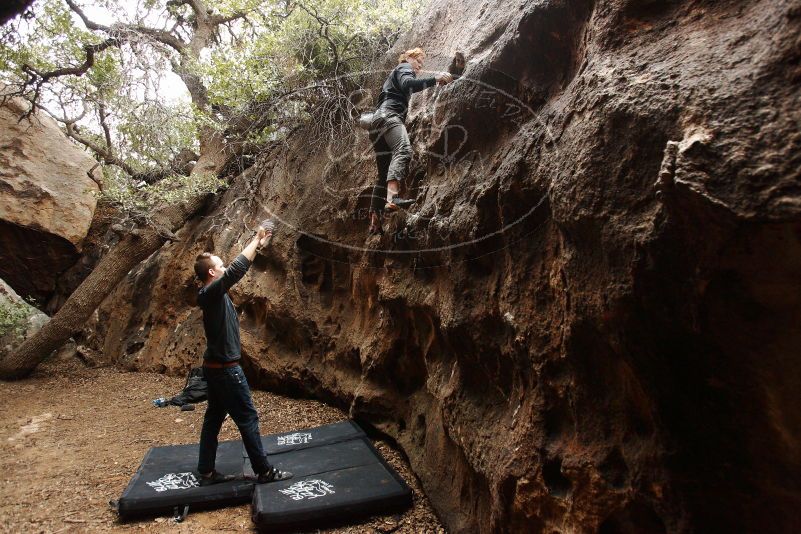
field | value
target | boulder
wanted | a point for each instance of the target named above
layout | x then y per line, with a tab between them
48	189
589	320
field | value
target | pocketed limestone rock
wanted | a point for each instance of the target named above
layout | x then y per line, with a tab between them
556	348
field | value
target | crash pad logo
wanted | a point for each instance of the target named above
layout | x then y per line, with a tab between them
175	481
308	489
298	438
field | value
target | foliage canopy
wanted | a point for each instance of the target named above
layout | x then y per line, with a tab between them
142	85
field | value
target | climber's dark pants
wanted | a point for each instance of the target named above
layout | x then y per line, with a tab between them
393	152
229	393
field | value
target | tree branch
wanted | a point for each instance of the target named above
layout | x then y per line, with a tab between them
323	31
106	155
117	30
197	7
217	20
87	22
36	78
162	36
101	112
90	49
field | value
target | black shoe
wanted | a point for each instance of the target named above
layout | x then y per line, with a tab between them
215	478
273	475
400	203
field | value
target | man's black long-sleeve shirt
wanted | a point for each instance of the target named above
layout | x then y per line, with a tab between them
398	88
219	315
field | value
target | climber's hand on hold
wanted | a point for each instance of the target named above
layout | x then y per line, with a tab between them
263	240
250	250
265	231
443	78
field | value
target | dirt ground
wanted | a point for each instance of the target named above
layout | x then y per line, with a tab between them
71	437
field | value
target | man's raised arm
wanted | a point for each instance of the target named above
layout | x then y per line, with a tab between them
237	268
260	238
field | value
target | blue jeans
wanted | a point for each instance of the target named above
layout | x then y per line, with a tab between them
229	394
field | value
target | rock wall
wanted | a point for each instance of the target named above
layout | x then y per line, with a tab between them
589	321
47	200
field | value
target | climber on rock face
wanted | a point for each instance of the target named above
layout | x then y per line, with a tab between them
388	133
228	391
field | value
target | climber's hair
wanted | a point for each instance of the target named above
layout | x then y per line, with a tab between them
416	53
203	263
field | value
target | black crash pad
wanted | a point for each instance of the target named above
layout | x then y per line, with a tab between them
339	454
168	478
323	458
337	483
311	437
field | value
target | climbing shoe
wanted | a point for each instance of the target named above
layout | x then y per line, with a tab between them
273	475
215	478
399	203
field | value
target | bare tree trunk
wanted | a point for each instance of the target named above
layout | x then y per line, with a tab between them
75	312
71	317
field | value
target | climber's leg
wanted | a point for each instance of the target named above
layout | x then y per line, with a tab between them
397	139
